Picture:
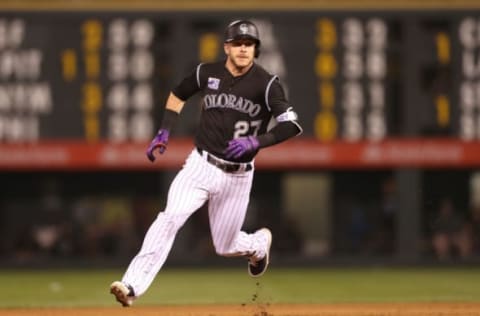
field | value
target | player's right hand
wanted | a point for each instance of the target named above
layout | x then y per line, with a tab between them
159	142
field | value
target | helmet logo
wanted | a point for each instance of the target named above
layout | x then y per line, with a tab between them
243	28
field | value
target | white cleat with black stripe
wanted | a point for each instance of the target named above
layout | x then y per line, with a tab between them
257	267
123	293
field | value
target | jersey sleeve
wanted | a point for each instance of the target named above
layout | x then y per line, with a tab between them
277	102
282	112
189	85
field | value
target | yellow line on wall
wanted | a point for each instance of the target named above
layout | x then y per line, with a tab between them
217	5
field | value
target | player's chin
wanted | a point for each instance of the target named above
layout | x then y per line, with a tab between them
243	62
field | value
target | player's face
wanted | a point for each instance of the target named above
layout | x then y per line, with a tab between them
240	52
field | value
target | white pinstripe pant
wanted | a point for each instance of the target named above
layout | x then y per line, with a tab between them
198	181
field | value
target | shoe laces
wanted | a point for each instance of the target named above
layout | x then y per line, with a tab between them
258	255
252	259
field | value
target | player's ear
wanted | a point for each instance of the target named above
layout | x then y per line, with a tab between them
226	48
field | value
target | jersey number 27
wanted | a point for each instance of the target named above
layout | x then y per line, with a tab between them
242	128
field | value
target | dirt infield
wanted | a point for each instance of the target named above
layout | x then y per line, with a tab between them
397	309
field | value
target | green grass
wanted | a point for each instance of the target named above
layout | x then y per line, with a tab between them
203	286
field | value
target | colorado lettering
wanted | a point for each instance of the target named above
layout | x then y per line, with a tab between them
231	101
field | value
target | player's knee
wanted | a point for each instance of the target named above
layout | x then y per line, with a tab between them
225	251
169	222
221	250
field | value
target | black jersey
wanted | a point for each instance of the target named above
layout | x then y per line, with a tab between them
232	107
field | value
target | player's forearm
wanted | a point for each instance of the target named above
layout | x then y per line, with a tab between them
281	132
174	103
173	108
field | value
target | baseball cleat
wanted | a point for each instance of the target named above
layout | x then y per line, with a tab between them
257	268
123	293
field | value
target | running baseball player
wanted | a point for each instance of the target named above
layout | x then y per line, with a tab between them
239	99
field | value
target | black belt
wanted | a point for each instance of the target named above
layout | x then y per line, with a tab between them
229	167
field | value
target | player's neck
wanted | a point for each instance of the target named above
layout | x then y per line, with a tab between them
235	70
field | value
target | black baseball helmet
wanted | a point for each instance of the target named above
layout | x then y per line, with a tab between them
243	29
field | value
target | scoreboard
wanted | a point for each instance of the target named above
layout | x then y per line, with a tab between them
77	78
87	89
351	62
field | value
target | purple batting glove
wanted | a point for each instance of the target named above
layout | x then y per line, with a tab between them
160	141
241	146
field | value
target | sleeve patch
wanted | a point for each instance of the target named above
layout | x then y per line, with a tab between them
288	115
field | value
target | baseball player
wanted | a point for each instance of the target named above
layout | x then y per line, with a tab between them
239	99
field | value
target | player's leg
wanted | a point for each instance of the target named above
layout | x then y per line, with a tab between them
227	210
187	193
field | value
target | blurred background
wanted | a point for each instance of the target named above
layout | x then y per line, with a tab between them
386	171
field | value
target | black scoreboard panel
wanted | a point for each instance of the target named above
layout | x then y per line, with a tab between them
81	76
466	77
357	74
353	76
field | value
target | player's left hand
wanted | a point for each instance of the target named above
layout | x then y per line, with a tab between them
159	142
241	146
